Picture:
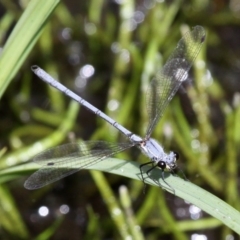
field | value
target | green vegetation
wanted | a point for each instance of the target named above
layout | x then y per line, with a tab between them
201	123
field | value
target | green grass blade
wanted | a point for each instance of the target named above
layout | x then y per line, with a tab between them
23	38
10	215
183	189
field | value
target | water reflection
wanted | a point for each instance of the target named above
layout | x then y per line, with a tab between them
138	16
64	209
66	33
198	237
86	71
43	211
195	212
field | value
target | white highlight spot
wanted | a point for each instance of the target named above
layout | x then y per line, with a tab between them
66	33
113	105
11	161
207	79
64	209
229	237
195	212
236	99
200	64
167	129
119	1
198	237
117	211
148	4
86	71
181	74
38	147
43	211
138	16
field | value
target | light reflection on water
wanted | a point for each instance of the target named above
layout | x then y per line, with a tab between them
64	209
43	211
195	212
198	237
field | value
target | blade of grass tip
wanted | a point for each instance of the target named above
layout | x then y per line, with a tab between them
201	224
18	47
49	232
3	151
125	200
93	226
112	204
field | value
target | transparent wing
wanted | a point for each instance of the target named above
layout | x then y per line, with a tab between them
167	81
61	161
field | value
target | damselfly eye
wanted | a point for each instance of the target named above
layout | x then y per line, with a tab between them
162	165
176	155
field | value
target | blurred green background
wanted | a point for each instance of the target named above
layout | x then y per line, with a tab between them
107	52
